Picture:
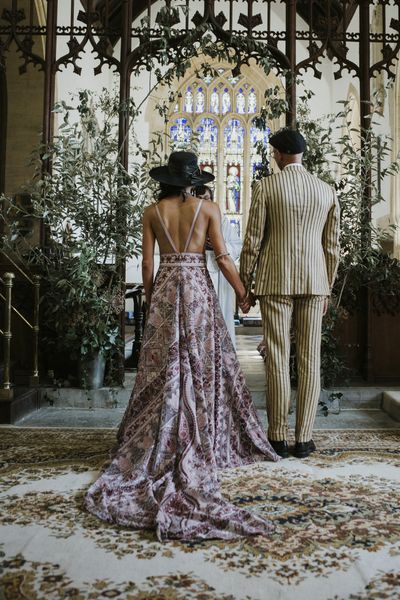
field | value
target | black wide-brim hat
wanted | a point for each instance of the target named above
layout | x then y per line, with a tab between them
182	170
288	141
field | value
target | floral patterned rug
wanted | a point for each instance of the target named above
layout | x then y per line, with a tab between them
337	516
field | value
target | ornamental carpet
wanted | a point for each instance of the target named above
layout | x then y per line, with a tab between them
337	517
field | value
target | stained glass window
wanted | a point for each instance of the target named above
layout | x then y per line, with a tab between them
214	103
208	164
180	133
233	80
217	121
257	136
188	104
200	100
252	101
233	187
240	102
226	101
208	134
234	136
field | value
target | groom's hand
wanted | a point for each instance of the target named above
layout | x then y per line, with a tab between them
252	299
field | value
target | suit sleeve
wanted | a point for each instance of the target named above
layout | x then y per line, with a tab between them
254	236
330	241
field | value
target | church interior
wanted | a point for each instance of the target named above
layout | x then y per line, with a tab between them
95	93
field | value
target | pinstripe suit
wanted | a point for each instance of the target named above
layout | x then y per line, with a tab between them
292	241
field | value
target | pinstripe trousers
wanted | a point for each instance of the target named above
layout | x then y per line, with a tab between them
277	313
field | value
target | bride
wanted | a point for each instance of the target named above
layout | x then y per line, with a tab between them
190	413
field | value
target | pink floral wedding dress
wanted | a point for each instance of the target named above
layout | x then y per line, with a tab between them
190	415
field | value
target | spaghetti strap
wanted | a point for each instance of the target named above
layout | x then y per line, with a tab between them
171	241
196	214
166	231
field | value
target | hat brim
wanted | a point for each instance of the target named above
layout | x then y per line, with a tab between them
163	175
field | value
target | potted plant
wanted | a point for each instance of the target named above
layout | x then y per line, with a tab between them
91	208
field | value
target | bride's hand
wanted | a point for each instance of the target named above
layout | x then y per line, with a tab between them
244	303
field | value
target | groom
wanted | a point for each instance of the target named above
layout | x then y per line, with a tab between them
292	242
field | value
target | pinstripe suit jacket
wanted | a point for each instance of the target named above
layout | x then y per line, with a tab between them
292	235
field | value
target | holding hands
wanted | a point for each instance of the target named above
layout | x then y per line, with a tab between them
246	302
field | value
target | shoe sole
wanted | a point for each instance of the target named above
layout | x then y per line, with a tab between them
285	453
306	454
302	455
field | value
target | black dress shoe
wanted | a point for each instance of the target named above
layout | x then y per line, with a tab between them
304	449
280	447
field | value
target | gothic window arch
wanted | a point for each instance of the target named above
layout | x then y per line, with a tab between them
214	116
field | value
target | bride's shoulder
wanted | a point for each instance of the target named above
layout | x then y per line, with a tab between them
148	212
212	208
150	209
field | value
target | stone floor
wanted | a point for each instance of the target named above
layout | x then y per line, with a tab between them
360	407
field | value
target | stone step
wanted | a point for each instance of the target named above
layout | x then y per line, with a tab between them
78	398
391	404
352	398
357	397
22	402
361	418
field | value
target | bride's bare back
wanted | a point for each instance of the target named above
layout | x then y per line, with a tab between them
177	216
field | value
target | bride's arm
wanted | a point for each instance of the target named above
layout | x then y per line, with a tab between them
148	242
225	263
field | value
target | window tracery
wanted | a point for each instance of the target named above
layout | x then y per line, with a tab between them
214	116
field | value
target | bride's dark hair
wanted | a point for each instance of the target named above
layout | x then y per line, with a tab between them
167	190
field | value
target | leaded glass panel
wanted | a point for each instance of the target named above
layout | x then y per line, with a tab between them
240	102
226	101
200	100
180	133
252	102
214	103
188	104
234	136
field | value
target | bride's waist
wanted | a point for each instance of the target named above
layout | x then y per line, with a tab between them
189	259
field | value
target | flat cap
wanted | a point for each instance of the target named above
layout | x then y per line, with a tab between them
288	141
